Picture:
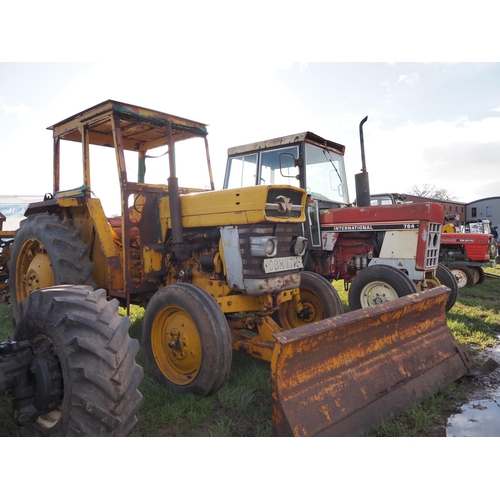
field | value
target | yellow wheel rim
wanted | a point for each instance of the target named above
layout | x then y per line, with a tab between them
289	318
176	345
33	269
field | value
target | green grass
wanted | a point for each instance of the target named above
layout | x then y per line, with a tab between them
475	319
427	418
243	406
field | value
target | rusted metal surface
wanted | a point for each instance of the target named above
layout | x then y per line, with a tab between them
342	376
141	126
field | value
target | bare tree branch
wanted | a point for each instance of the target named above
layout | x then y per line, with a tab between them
431	191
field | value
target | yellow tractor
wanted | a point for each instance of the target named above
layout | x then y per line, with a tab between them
221	271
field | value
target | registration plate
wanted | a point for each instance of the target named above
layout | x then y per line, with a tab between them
282	264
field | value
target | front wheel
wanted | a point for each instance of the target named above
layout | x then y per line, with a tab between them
462	274
84	365
378	284
445	277
318	298
187	340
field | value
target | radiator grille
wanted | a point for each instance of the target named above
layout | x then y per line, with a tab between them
253	266
433	243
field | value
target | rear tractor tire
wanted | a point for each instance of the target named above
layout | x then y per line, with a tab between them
493	249
478	273
462	274
83	344
47	251
378	284
187	340
319	299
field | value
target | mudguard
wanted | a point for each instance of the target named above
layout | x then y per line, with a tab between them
342	376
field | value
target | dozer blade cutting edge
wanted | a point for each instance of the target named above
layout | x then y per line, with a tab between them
342	376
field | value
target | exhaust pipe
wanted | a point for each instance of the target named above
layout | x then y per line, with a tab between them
175	202
362	182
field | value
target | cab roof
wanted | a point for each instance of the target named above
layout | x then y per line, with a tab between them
285	141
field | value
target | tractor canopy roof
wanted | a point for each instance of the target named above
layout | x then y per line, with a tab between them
141	128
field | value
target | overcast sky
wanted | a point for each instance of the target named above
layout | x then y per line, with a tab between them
434	123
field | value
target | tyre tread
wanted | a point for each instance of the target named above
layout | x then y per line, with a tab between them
68	253
97	355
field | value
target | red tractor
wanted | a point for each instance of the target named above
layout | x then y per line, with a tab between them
483	226
381	252
467	253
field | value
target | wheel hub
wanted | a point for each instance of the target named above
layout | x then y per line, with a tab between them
460	277
176	345
377	293
39	274
308	312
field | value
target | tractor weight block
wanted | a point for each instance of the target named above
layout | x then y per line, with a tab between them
343	376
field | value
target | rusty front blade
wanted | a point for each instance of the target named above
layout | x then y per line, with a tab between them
342	376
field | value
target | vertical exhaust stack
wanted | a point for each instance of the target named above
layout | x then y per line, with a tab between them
362	182
175	202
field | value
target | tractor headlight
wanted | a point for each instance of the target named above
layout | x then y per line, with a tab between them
263	246
299	246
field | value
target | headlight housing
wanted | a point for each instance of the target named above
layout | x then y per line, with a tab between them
299	246
263	246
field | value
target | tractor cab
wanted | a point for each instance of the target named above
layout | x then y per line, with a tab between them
303	160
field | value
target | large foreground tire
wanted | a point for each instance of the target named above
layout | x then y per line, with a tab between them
378	284
478	273
462	274
92	351
47	251
187	340
320	301
445	277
